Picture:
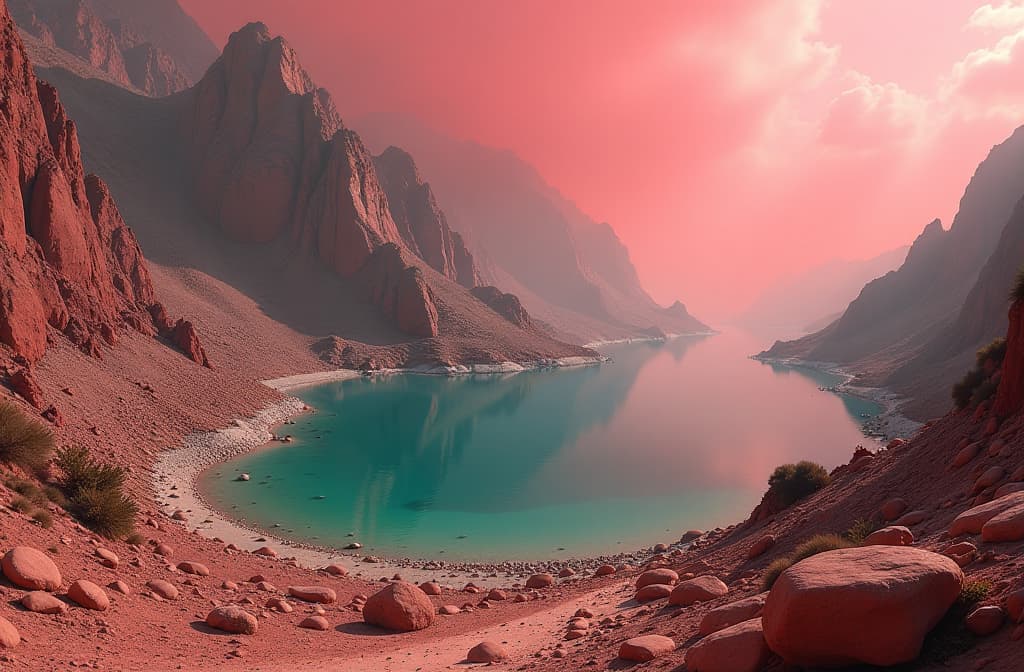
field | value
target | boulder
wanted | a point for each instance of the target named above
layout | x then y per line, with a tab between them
988	478
894	535
496	595
662	575
645	648
604	570
9	637
163	588
232	619
197	568
25	386
738	648
972	520
538	581
316	594
108	558
487	652
336	570
699	589
893	509
41	602
871	605
1005	526
315	622
985	621
400	606
966	454
651	592
759	547
430	588
30	569
730	614
87	594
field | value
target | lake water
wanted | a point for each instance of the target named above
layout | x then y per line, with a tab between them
547	464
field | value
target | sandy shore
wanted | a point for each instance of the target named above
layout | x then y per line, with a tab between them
889	424
176	475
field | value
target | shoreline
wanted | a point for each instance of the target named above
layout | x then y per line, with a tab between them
176	475
887	425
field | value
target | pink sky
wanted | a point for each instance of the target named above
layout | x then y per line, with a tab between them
730	143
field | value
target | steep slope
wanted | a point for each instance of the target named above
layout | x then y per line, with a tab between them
167	27
908	313
114	42
567	269
69	263
420	221
810	297
318	250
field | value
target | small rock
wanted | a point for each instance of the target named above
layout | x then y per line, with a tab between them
487	652
41	602
645	648
232	619
315	623
87	594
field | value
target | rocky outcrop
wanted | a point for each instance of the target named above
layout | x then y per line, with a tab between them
569	271
273	162
399	291
504	304
419	219
68	262
110	46
1010	394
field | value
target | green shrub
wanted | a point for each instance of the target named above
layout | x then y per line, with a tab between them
995	351
25	488
774	570
23	440
81	472
963	390
55	495
109	513
861	530
973	592
21	504
819	543
43	517
793	482
95	493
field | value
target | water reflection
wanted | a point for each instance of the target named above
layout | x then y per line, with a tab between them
667	436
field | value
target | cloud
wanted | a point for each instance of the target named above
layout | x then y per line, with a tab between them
1005	16
987	81
870	116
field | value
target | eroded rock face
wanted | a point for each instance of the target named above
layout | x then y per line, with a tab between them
504	304
272	161
420	220
68	262
400	291
109	46
871	605
1010	394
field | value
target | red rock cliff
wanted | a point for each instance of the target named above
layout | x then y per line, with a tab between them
272	161
68	262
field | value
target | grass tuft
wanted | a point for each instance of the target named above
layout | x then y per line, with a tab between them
792	482
95	493
44	518
23	440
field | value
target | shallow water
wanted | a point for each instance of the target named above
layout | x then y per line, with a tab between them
547	464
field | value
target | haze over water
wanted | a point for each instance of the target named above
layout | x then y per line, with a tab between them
548	464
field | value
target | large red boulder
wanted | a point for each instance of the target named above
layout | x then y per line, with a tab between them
401	606
25	386
700	589
730	614
30	569
738	648
973	520
1010	393
232	619
871	605
646	647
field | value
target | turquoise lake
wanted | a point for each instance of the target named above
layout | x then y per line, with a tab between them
543	464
